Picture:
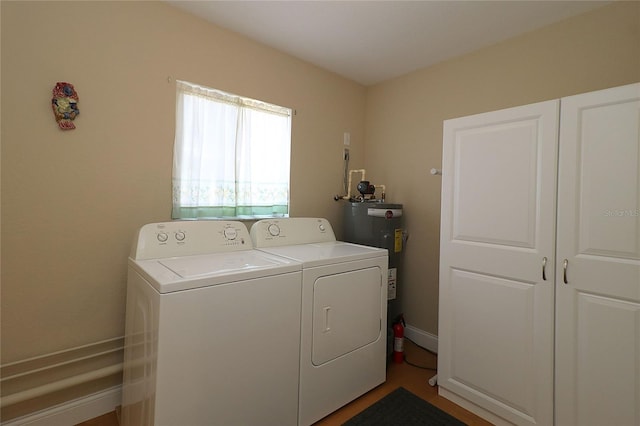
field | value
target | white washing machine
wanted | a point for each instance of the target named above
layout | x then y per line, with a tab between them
212	329
344	309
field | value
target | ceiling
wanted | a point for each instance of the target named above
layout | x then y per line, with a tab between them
373	41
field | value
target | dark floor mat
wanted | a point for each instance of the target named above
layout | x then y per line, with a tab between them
403	408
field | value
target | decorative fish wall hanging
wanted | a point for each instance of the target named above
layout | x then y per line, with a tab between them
65	105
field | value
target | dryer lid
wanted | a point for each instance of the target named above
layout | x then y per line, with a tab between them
321	254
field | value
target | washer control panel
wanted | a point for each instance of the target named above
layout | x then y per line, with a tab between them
291	231
188	238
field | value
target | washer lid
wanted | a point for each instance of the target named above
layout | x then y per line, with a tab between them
188	272
320	254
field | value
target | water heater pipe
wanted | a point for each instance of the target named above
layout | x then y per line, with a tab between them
348	196
384	190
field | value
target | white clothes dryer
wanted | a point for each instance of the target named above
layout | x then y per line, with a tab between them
212	329
344	309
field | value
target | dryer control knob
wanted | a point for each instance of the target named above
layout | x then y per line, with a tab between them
230	233
163	237
274	230
322	227
180	236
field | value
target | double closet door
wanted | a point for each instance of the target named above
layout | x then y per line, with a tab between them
539	319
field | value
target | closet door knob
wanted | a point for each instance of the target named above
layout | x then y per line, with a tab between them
544	267
564	273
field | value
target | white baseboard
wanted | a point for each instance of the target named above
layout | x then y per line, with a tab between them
73	412
422	338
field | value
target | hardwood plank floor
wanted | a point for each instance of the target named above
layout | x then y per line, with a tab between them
410	377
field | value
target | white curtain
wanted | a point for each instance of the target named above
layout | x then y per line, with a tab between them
231	155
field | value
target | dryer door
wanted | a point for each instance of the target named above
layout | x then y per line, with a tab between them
346	313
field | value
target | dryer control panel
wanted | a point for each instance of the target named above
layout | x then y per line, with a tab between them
291	231
188	238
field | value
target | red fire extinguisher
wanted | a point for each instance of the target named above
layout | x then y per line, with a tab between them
398	340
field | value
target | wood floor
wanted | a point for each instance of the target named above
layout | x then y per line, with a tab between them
410	377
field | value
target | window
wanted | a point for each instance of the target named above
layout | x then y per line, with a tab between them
231	155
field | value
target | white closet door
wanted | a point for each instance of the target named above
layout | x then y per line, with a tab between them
598	299
496	308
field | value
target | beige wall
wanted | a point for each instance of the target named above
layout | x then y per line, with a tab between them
404	118
72	200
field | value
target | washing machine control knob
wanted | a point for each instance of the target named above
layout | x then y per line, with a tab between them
180	235
162	237
230	233
274	230
322	227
